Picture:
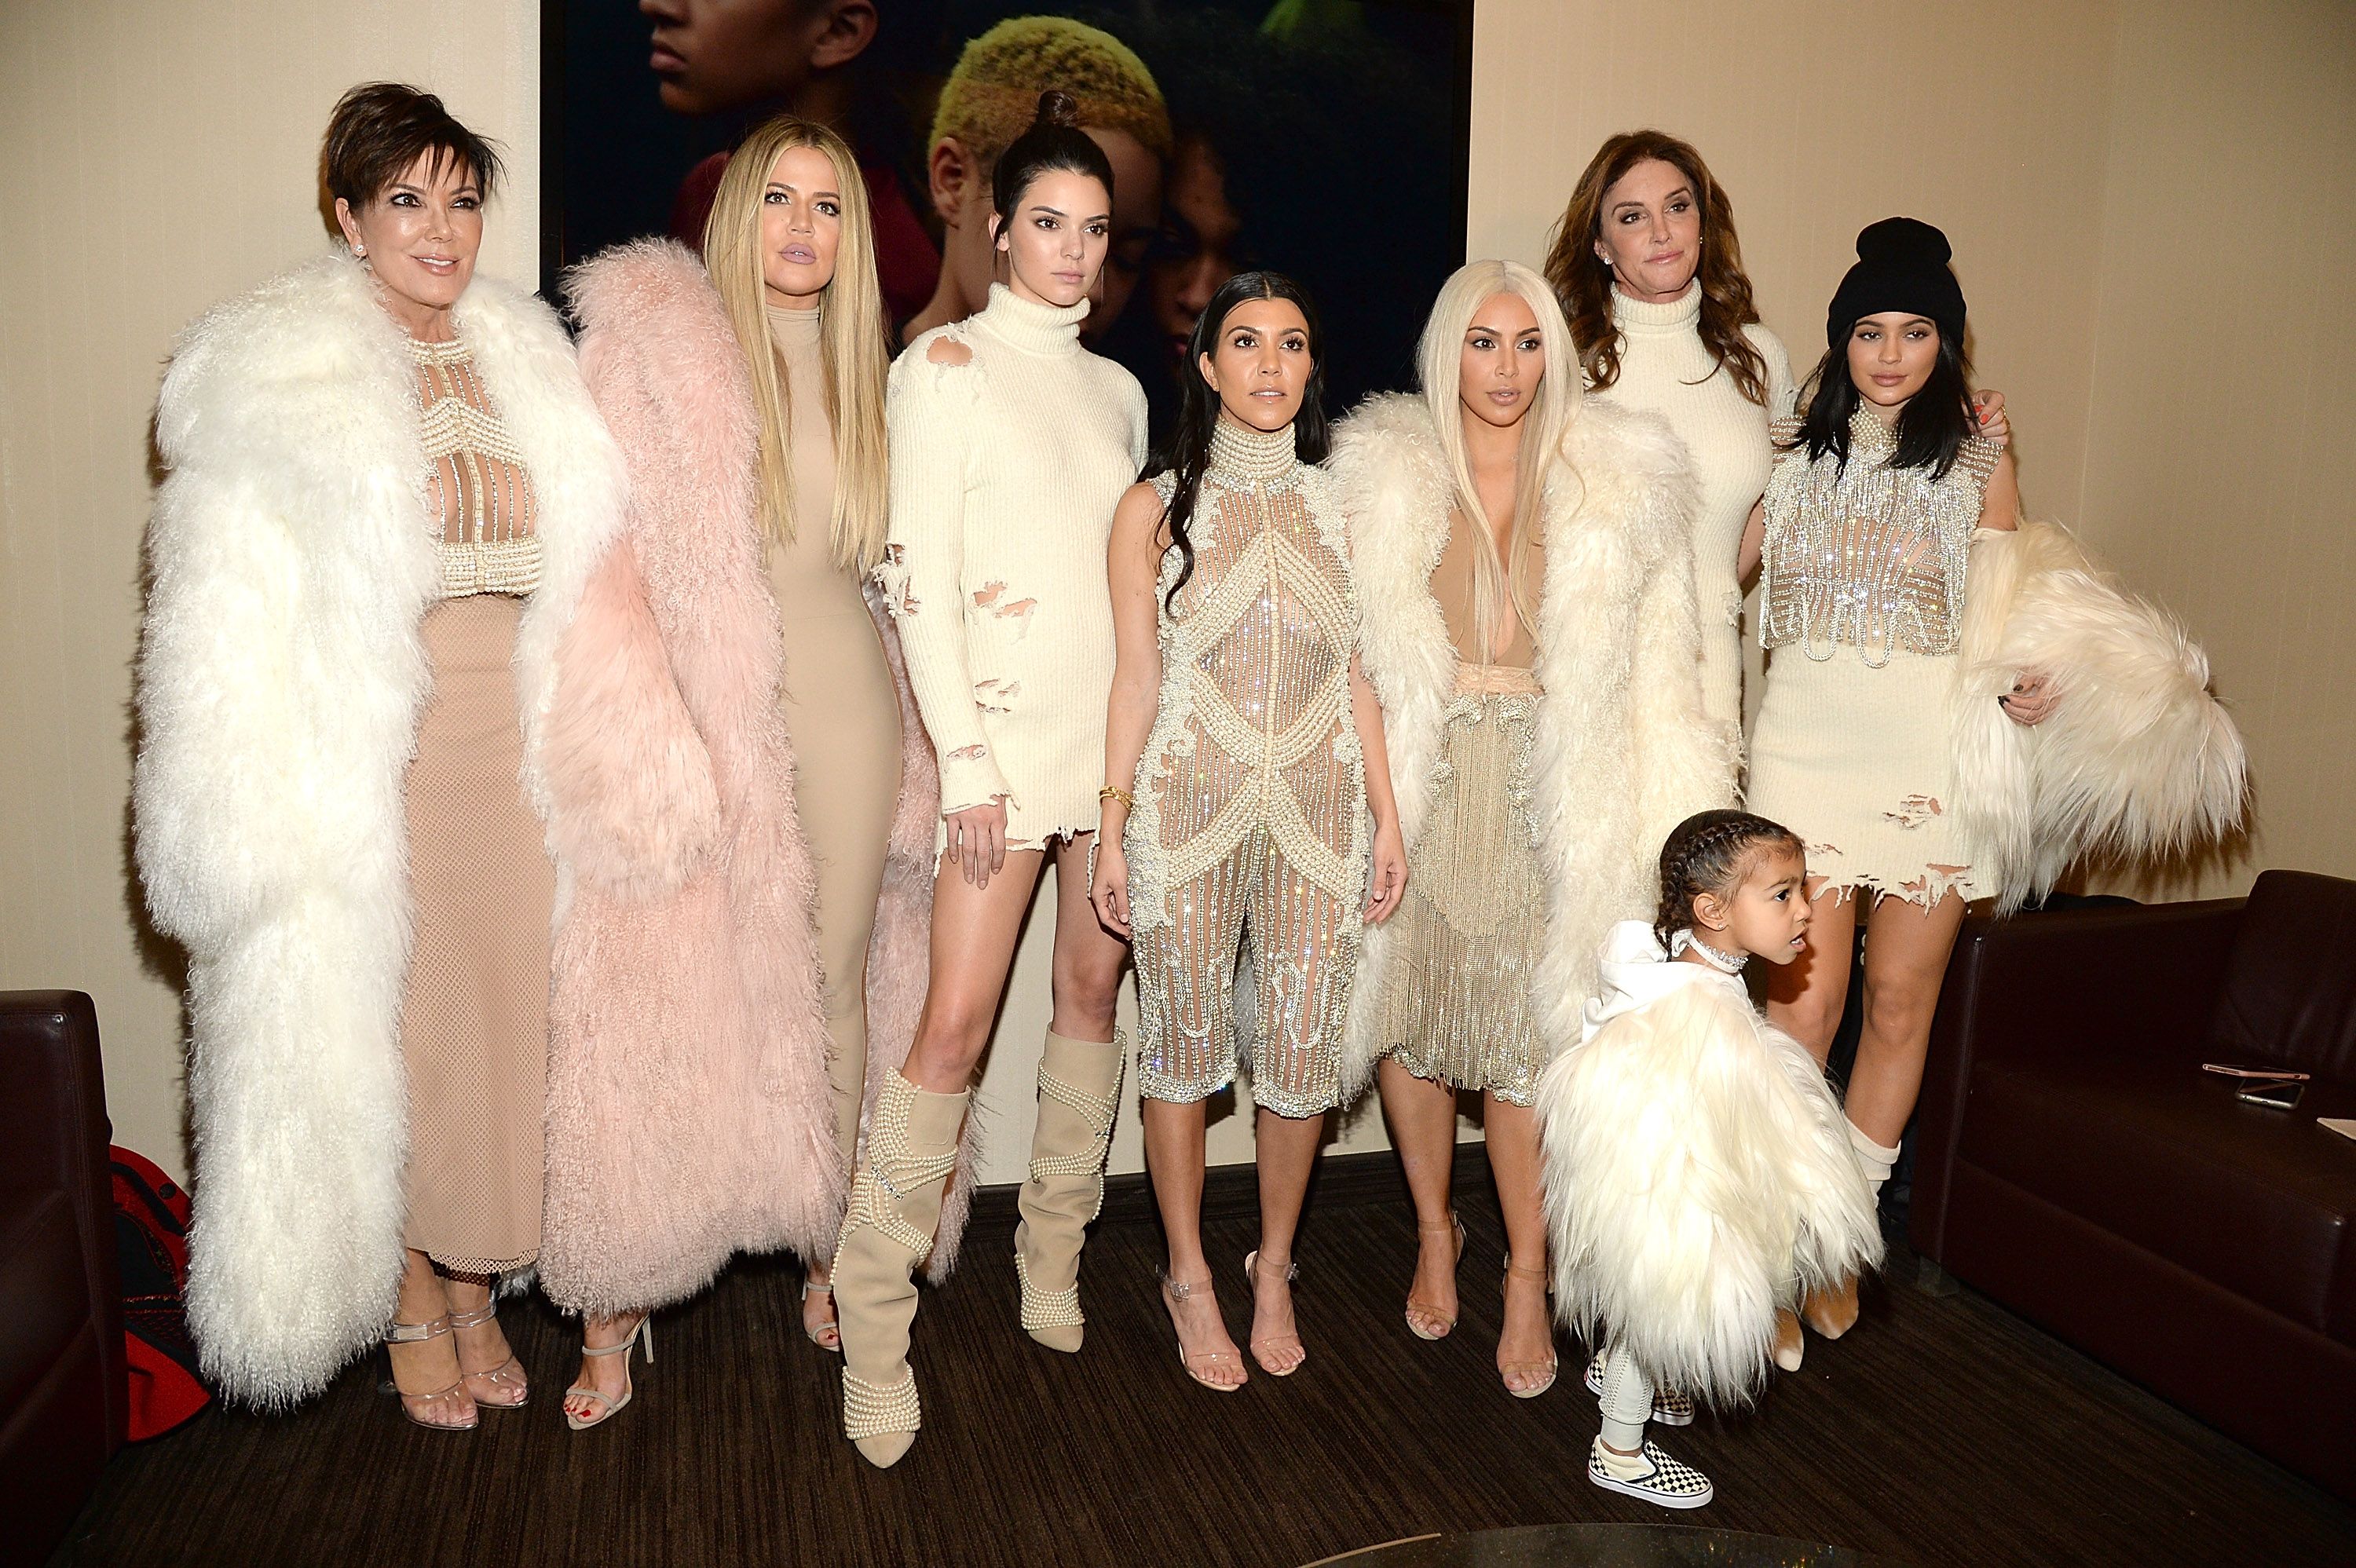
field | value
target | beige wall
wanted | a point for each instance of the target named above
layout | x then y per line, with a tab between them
2147	205
155	156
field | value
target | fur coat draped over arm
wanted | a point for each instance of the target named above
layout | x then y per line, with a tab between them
688	1116
282	674
2136	762
1622	751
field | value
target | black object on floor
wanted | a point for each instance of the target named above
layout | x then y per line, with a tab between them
1941	1431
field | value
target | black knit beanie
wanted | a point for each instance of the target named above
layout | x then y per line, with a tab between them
1901	266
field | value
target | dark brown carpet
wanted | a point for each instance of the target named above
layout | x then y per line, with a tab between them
1942	1431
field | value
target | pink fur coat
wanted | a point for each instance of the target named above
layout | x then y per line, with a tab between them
687	1110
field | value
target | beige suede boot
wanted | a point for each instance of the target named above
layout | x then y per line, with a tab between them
896	1205
1079	1093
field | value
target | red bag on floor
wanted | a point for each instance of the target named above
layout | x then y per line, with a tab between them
151	1238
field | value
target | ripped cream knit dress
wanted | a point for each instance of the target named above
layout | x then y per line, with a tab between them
1005	472
1862	607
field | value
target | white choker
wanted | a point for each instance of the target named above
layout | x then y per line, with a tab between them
1724	963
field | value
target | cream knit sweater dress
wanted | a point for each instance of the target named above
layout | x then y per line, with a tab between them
1005	472
1665	369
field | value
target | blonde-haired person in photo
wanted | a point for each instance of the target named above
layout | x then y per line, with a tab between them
987	101
711	1057
1526	588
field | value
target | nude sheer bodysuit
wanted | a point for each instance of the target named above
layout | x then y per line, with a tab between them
1250	827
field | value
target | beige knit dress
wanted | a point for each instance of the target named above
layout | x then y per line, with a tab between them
1459	1007
842	714
1862	605
474	1020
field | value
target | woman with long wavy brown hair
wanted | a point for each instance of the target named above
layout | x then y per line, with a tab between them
1649	271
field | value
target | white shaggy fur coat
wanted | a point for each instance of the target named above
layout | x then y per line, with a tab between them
1624	752
280	680
1698	1173
2137	761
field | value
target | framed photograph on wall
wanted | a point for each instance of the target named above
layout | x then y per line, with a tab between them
1323	138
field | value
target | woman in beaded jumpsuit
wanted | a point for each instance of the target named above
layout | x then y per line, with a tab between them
1864	535
1245	754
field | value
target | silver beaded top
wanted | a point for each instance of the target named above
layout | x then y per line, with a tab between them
1867	554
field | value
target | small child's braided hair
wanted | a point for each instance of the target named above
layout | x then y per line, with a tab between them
1706	853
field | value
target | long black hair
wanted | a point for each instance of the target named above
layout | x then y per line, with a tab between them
1054	141
1931	427
1188	451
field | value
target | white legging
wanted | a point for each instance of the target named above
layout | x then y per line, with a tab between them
1627	1400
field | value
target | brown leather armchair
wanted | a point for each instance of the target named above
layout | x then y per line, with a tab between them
62	1391
2075	1164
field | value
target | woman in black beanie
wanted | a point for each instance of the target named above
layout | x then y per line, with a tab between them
1865	528
1915	627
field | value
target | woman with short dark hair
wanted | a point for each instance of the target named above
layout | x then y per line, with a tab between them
387	485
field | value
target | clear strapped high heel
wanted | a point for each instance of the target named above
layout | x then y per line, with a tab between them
507	1379
609	1407
1430	1314
416	1406
1551	1366
818	1334
1274	1341
1176	1291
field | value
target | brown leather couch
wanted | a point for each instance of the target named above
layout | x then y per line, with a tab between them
2075	1164
62	1391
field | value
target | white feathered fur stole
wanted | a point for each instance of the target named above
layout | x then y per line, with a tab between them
1699	1174
2137	760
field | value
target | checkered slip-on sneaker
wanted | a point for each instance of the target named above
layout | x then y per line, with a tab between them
1668	1409
1669	1485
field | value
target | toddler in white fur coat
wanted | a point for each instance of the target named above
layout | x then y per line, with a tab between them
1698	1172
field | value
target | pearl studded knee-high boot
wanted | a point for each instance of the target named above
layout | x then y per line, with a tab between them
1079	1093
896	1205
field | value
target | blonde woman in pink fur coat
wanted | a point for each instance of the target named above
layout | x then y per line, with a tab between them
754	871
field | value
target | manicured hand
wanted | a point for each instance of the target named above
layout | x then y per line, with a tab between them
1389	881
2031	699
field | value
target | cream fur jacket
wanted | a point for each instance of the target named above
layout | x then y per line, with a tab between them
1624	752
280	678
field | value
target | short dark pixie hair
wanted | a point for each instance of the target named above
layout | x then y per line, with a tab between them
379	128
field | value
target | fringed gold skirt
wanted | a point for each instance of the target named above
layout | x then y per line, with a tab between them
1459	1007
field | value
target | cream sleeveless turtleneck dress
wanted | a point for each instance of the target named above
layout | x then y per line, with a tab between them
1665	369
841	714
1005	472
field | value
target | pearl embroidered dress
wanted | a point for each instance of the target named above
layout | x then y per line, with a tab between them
1862	602
1250	825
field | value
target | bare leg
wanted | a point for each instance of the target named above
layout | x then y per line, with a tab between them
428	1366
1805	997
1906	952
608	1375
1086	976
1526	1347
974	930
1422	1119
1286	1152
1174	1154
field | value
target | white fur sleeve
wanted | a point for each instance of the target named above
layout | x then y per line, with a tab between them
1684	763
221	827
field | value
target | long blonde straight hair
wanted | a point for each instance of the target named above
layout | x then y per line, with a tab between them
851	336
1438	355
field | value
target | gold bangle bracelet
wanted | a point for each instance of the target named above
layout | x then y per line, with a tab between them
1113	792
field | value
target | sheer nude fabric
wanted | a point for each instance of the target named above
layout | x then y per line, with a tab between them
474	1021
1250	822
1459	1007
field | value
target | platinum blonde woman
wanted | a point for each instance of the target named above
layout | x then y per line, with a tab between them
1524	570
